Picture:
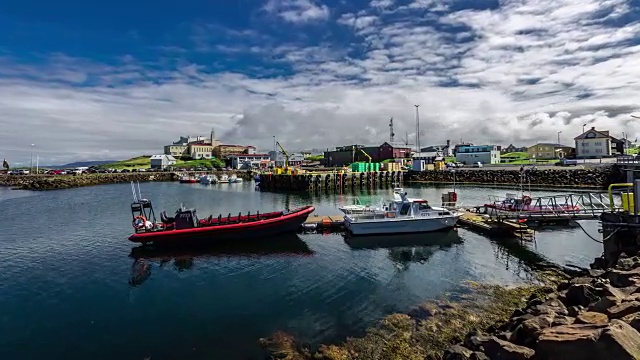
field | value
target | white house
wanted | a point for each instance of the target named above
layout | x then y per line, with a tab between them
161	161
249	161
470	154
597	144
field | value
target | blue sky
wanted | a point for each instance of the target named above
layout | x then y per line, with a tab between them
86	81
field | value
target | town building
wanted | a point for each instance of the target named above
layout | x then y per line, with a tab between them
512	148
471	154
162	161
195	147
345	155
458	146
278	158
597	144
548	151
249	161
442	150
223	151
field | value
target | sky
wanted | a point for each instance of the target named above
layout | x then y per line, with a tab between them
98	80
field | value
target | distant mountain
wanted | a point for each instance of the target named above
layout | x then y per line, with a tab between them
84	163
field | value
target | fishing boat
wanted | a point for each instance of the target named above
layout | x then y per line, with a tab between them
186	226
207	179
188	179
403	215
224	179
358	208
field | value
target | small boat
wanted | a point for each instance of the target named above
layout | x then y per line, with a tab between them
188	179
359	208
208	179
185	225
224	179
235	179
526	204
403	215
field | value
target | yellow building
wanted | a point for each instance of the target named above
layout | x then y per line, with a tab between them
177	151
200	151
222	151
548	151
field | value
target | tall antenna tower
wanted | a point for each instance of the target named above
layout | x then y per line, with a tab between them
391	133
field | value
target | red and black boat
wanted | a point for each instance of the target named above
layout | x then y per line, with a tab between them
185	225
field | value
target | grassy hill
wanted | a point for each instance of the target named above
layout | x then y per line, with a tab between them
143	162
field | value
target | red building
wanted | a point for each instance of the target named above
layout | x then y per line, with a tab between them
348	154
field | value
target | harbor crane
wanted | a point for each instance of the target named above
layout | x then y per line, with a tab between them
365	154
286	155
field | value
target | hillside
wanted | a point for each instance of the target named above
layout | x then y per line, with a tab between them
143	162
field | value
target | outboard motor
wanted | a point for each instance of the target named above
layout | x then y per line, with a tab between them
186	219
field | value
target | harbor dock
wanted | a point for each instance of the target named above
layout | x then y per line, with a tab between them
310	182
470	221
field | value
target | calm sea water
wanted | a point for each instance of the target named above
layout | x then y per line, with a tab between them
66	266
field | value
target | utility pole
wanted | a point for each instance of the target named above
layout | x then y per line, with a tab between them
275	152
31	168
417	129
559	132
391	133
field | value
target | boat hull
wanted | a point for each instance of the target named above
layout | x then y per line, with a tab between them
400	226
286	223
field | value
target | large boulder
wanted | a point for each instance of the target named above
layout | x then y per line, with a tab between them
622	278
614	341
621	310
580	294
497	349
457	352
526	334
590	317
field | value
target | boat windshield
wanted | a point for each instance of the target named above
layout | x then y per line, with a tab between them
423	207
404	210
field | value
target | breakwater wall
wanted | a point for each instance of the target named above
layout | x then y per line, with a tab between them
313	182
54	182
599	177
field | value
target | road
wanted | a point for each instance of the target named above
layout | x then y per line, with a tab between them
538	167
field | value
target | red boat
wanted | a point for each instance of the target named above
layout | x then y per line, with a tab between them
185	225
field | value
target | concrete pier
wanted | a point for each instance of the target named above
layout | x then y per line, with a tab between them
312	182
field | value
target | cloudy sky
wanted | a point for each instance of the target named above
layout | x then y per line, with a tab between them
110	81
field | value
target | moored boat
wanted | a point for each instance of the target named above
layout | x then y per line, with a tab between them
526	204
235	179
188	179
224	179
207	179
186	226
403	215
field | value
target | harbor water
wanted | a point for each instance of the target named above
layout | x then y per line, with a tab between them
72	286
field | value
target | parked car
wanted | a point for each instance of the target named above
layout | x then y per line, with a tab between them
567	162
477	164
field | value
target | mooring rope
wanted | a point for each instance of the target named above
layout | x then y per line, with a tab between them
594	239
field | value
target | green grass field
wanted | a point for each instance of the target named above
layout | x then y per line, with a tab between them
143	162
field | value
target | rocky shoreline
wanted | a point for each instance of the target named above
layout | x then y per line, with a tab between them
595	315
599	177
56	182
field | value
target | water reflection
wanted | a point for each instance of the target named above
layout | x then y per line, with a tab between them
183	258
407	248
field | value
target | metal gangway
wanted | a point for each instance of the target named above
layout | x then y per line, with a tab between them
576	206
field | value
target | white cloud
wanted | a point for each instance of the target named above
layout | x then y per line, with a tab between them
298	11
515	74
381	3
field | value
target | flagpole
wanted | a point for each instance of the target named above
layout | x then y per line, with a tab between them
37	162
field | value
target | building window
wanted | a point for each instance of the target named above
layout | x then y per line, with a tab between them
598	143
585	144
598	151
586	151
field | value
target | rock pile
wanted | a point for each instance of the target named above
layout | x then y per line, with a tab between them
52	182
596	177
592	316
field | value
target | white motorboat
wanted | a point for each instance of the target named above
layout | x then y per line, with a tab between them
208	179
224	179
359	208
402	215
235	179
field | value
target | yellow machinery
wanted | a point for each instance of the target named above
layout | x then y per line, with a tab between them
365	154
285	169
627	197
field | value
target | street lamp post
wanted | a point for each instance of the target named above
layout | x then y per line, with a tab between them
559	132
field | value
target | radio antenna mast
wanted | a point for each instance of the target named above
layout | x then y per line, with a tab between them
391	133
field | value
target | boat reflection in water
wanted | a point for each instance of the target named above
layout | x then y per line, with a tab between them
184	257
406	248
